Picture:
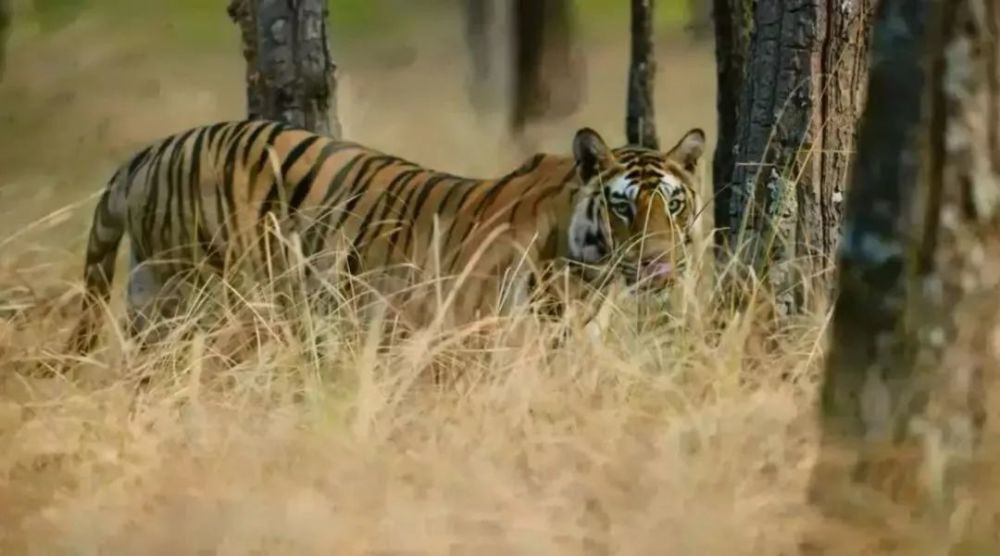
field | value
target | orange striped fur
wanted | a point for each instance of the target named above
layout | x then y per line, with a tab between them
201	199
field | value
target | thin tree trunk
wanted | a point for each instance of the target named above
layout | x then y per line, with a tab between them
783	205
291	75
917	318
640	122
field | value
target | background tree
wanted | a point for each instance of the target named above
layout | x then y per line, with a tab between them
795	125
917	318
488	37
291	75
544	63
547	64
700	18
640	119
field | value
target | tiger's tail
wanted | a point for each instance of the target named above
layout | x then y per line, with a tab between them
106	232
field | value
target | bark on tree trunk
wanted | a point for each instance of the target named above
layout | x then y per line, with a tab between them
640	120
291	75
845	74
733	25
804	68
917	318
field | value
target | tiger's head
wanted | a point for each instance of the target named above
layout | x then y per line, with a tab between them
637	206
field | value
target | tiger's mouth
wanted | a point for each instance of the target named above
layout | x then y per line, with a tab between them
656	270
651	274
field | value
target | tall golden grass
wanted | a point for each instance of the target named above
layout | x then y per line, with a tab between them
680	435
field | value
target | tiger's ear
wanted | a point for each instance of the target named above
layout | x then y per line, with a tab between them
592	154
689	149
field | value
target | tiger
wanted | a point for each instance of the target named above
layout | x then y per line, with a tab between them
202	201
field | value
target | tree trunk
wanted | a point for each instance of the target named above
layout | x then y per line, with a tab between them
733	25
290	73
527	48
640	120
917	318
845	75
804	67
488	37
547	66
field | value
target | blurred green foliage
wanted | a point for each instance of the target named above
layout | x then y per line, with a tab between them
205	20
196	17
670	14
51	15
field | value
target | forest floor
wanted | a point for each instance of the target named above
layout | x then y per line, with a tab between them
682	438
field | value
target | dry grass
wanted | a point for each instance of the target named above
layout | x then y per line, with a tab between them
677	437
682	437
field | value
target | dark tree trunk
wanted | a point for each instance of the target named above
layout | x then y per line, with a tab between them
640	122
800	88
291	75
865	354
547	66
733	25
917	318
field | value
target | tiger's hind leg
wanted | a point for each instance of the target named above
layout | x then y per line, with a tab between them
303	297
154	300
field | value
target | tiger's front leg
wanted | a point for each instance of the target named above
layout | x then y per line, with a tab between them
573	302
